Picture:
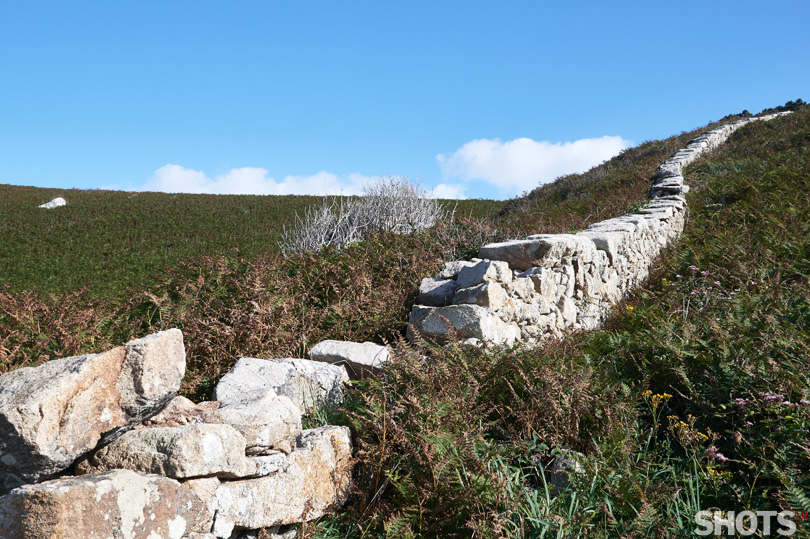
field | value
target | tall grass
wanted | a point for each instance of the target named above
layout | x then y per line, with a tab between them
695	395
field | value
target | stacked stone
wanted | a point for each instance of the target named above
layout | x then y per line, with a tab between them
532	289
101	446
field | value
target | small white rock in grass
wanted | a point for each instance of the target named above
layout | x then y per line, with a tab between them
55	203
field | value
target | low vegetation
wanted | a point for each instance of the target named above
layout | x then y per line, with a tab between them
694	395
393	204
115	243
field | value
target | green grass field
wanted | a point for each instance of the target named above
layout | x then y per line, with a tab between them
114	241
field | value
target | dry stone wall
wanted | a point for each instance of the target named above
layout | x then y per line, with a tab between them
538	287
100	446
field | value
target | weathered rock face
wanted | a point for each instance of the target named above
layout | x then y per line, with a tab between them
488	294
266	420
486	270
52	414
521	254
177	452
119	503
308	384
563	468
466	321
575	278
244	462
452	269
357	357
437	292
312	479
181	411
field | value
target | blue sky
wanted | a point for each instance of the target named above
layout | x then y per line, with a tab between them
476	99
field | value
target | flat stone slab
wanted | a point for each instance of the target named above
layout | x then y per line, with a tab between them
540	250
118	503
178	452
357	357
452	269
437	292
489	294
485	270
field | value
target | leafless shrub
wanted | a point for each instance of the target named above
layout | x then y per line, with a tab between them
332	223
393	204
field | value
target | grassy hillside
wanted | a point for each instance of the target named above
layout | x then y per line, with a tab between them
694	395
210	267
114	241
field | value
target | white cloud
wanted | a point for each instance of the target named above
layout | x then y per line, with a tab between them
443	190
522	164
252	180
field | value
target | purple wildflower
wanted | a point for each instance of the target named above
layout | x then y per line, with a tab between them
748	424
770	397
721	458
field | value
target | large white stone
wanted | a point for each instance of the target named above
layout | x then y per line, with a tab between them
204	488
178	452
313	479
466	321
55	203
357	357
308	384
669	169
613	244
119	503
452	269
545	282
485	270
488	294
266	420
52	414
523	254
522	287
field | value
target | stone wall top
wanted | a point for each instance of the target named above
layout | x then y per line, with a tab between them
538	287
